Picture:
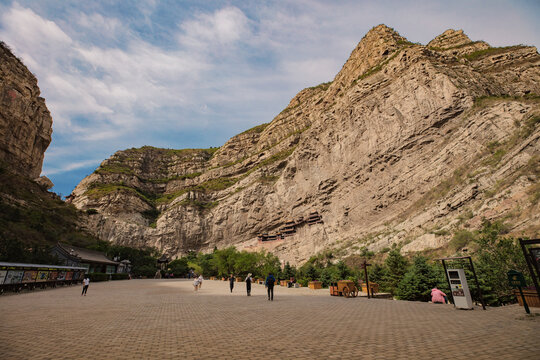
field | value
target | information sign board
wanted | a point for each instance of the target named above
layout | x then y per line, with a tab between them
516	279
61	276
3	274
42	275
14	276
53	275
29	276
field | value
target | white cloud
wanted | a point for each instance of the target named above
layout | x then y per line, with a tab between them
96	23
208	31
47	171
113	80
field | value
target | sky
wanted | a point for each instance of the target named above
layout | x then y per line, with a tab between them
192	74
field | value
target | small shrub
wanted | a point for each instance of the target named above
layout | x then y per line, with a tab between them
490	51
95	277
119	276
461	239
91	211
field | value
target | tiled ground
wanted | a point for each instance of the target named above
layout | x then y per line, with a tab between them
166	319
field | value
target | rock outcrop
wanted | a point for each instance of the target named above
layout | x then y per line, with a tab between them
31	218
407	144
25	121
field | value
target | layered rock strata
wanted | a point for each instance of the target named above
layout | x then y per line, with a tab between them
407	144
25	121
31	218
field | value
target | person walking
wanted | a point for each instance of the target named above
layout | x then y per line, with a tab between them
231	281
85	282
269	283
248	284
200	281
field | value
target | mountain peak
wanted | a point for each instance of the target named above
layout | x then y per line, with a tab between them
450	38
382	30
377	45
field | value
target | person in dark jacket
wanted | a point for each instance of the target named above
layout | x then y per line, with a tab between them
269	283
248	284
231	281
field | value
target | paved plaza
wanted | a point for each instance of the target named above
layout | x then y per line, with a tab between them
166	319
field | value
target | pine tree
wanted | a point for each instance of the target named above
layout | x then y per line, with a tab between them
418	281
395	268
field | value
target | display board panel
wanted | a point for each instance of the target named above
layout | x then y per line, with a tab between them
69	275
3	274
29	276
61	276
42	275
14	276
53	275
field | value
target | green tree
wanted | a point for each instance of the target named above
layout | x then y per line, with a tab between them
224	260
267	263
245	263
329	274
495	257
377	274
308	272
418	281
289	271
395	268
207	264
179	267
143	261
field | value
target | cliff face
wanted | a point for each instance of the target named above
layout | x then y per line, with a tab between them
30	217
407	144
25	121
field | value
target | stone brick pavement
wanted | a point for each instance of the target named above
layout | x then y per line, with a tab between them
166	319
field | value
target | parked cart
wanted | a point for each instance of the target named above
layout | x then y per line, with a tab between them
345	288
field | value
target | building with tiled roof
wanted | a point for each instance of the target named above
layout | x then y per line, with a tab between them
94	261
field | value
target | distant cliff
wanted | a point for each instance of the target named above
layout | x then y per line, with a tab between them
407	144
30	217
25	121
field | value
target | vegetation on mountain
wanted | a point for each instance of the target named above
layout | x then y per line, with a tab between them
33	219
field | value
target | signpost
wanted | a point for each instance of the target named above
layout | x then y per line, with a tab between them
516	280
364	266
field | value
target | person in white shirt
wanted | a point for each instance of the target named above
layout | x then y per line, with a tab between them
200	281
86	282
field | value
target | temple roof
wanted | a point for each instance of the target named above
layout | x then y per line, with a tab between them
85	255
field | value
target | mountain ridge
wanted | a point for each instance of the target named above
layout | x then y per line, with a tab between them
404	137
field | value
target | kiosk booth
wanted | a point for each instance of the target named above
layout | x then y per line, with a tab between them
457	281
460	289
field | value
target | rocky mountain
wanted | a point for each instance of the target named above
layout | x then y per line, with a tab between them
408	144
30	216
25	121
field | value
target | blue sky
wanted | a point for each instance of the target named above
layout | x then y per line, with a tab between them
192	74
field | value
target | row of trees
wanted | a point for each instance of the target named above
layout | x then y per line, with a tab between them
227	261
494	254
